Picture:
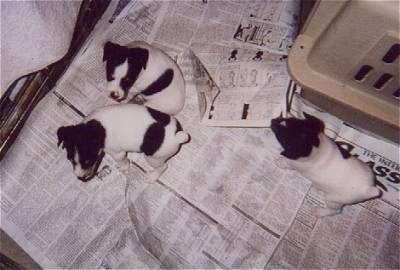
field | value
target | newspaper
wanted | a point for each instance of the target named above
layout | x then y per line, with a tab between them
246	92
222	203
248	73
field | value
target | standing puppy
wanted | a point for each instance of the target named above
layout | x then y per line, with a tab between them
343	178
118	129
142	69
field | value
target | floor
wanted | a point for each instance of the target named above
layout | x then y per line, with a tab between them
12	251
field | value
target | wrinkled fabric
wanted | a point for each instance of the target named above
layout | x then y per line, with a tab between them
34	34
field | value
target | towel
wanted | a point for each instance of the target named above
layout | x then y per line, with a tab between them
34	34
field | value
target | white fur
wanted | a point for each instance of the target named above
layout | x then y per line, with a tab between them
171	99
126	125
344	181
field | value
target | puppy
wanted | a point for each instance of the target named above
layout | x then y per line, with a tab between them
118	129
142	69
343	178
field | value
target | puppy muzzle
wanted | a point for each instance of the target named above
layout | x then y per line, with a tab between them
86	177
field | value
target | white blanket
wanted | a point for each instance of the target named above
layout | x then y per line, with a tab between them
34	34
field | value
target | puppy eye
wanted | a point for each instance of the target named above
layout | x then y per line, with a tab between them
126	80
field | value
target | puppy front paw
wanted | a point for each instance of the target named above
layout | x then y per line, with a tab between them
138	99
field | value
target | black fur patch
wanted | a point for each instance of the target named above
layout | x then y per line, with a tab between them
153	139
160	117
91	142
86	138
115	55
345	154
161	83
297	136
137	60
178	127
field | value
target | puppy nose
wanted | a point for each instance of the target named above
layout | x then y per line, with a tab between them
84	178
114	95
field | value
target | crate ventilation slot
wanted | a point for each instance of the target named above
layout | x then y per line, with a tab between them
362	73
396	93
392	54
382	81
381	70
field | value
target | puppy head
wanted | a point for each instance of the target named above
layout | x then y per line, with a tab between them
84	144
123	66
297	136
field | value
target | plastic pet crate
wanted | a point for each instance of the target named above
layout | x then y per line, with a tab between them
346	58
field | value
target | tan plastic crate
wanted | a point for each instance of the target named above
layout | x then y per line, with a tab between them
346	58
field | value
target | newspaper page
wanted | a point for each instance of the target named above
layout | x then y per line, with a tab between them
222	203
64	223
269	25
248	90
249	71
364	236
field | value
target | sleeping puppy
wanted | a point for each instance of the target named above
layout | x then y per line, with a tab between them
118	129
343	178
142	69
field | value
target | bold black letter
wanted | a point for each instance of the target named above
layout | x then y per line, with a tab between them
394	177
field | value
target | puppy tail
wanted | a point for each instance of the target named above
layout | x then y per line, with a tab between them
182	137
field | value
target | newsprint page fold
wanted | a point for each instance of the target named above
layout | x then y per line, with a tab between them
223	202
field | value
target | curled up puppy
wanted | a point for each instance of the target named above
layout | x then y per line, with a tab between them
146	74
342	178
117	130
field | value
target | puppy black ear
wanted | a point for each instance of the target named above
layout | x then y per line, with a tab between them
314	122
108	49
144	57
96	133
61	134
64	135
288	154
140	56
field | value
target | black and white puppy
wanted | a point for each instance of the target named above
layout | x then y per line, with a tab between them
118	129
342	178
140	68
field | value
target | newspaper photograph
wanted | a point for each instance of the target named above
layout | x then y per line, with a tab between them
223	203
